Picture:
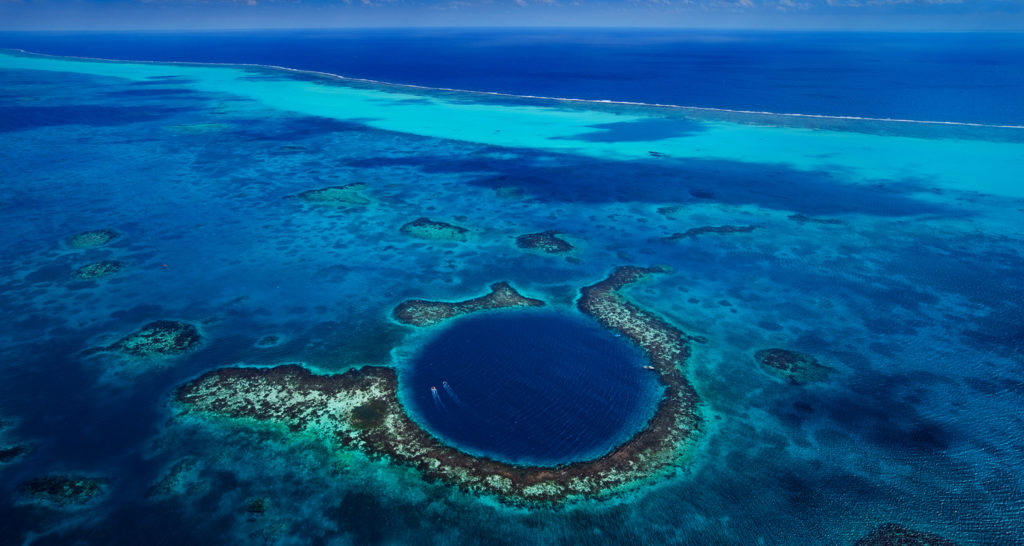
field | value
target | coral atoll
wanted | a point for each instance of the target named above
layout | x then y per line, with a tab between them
93	239
158	338
98	269
62	490
359	409
545	241
797	367
425	228
426	313
892	534
347	194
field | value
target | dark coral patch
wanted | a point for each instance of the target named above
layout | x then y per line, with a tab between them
545	241
303	402
61	490
99	269
425	228
158	338
797	367
347	194
426	313
370	414
694	232
8	454
892	534
509	192
257	507
669	211
93	239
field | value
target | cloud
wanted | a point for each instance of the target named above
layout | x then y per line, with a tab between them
929	2
862	3
195	2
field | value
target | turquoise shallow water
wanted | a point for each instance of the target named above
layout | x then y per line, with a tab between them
891	251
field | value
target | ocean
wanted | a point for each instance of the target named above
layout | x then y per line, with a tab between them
511	286
965	77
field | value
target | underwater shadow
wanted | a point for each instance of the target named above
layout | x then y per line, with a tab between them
638	131
884	411
563	178
296	128
23	118
159	92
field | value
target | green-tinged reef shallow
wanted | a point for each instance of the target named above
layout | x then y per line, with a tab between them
158	338
425	228
799	368
360	409
257	506
98	270
93	239
892	534
426	313
63	490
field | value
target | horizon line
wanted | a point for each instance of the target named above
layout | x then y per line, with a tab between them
802	30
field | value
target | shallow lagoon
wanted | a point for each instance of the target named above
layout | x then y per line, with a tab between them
890	253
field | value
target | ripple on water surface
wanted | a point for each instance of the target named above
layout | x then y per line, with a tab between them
533	387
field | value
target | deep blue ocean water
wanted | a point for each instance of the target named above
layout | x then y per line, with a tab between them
531	388
965	77
891	251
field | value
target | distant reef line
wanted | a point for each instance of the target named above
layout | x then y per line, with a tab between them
796	119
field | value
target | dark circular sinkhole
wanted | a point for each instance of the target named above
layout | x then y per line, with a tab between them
531	387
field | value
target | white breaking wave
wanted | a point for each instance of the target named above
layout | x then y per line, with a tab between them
339	77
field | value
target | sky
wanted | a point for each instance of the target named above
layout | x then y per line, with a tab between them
938	15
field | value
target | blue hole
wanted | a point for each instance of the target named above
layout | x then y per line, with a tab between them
531	387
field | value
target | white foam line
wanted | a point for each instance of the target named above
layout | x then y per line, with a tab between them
540	97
